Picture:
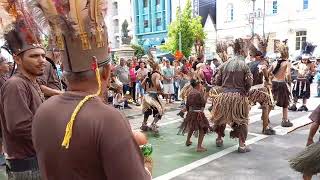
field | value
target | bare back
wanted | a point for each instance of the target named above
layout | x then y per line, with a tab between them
283	72
155	87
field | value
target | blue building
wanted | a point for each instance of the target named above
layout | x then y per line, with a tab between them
152	18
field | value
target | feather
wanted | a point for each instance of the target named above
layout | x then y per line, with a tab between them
309	48
6	22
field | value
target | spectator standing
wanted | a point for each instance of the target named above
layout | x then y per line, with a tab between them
122	73
133	80
142	73
168	75
177	78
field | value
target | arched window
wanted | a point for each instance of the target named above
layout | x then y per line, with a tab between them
230	12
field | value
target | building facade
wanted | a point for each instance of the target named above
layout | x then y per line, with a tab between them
151	20
118	12
295	20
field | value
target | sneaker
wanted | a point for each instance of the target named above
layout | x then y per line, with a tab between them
244	149
303	108
144	128
269	131
293	108
286	123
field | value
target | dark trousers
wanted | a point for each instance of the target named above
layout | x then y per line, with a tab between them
133	91
176	92
24	169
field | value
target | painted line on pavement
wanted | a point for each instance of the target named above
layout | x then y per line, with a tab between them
207	159
296	123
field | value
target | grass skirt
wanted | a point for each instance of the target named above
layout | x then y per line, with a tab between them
151	101
260	96
281	93
195	121
230	108
308	161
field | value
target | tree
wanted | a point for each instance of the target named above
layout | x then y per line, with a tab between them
191	30
138	50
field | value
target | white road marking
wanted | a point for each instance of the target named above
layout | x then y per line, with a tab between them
207	159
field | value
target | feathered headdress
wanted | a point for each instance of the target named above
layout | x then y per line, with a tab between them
283	49
18	27
308	50
153	64
78	28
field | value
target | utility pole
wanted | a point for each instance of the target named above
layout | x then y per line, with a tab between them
180	40
254	15
264	18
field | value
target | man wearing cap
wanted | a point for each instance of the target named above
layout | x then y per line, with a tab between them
301	88
76	135
20	96
262	95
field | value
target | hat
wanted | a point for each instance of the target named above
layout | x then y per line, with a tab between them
79	29
18	27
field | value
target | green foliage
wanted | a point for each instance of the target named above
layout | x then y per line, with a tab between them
191	29
138	50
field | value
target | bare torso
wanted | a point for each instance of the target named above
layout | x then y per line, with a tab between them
283	72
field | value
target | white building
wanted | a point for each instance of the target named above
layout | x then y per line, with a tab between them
295	20
118	12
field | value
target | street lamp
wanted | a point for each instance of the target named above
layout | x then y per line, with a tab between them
180	40
253	9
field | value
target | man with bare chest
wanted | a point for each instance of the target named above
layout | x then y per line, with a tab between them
280	89
151	102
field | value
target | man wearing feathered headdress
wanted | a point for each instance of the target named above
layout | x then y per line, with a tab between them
151	104
301	88
262	95
232	106
281	78
78	122
21	94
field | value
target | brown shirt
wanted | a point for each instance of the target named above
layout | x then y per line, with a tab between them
195	100
19	101
234	75
50	77
101	147
2	80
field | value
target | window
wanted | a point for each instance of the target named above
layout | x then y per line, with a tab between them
146	24
158	22
230	12
274	7
305	4
301	39
145	3
157	2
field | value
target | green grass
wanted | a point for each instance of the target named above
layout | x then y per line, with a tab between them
170	152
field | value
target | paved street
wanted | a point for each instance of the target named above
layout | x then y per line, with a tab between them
267	160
